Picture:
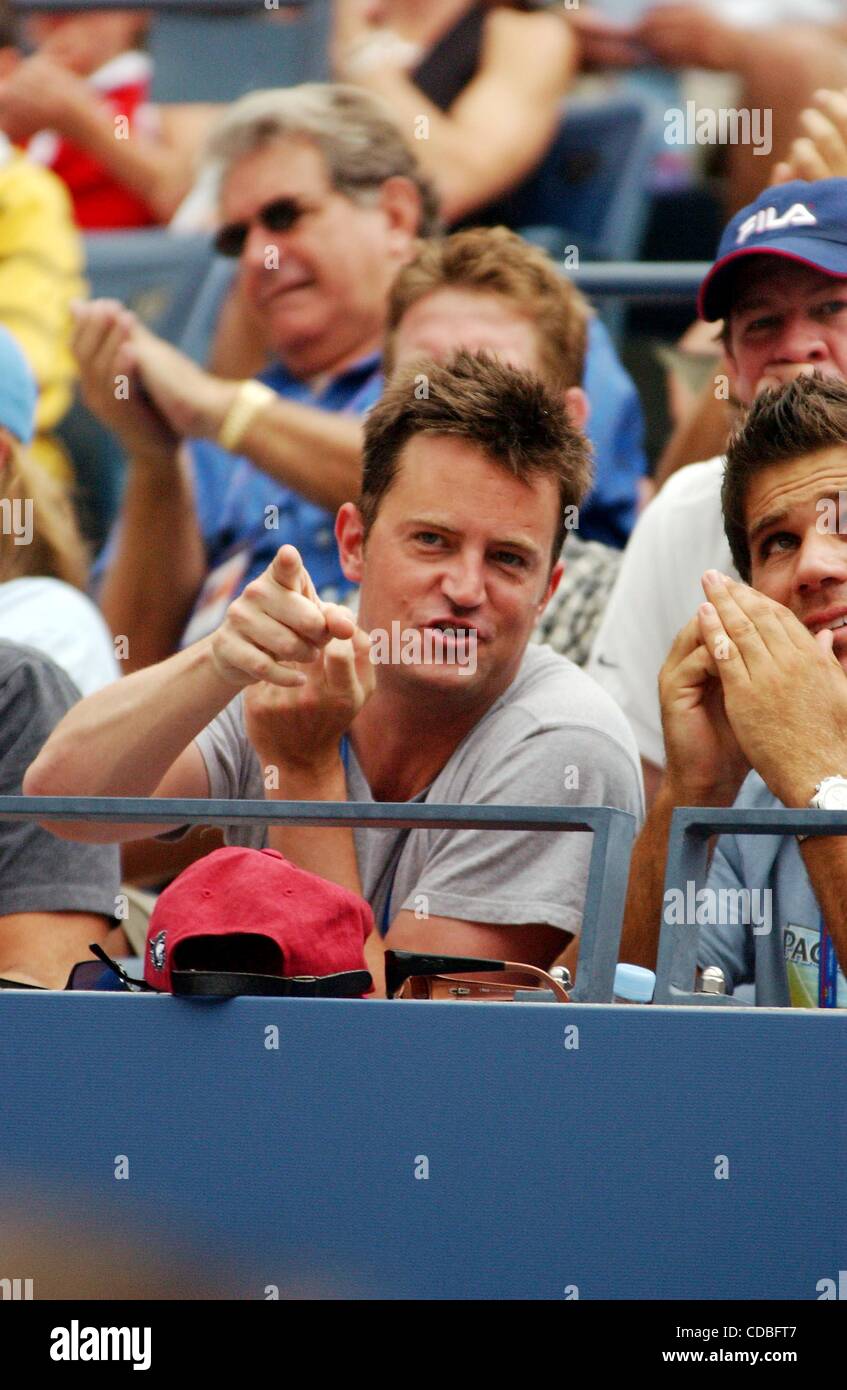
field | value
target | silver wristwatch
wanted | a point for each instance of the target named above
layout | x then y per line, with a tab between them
830	795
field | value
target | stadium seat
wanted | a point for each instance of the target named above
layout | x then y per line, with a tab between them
589	189
155	273
234	54
196	337
158	275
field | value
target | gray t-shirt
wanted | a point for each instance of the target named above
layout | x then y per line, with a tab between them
38	872
778	945
553	738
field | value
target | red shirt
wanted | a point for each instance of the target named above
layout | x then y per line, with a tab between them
100	202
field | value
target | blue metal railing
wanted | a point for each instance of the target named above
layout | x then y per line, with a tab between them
687	863
605	896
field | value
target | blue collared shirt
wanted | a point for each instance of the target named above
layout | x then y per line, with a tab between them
237	502
616	429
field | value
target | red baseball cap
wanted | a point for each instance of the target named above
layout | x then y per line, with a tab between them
251	915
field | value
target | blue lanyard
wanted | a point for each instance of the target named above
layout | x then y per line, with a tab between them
827	971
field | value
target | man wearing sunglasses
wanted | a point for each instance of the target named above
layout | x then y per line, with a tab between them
321	202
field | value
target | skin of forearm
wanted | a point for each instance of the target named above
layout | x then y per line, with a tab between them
443	155
41	948
826	863
329	852
316	453
121	740
645	891
158	565
146	167
702	435
643	916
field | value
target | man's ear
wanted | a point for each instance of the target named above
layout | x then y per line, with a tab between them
552	584
400	200
350	535
577	406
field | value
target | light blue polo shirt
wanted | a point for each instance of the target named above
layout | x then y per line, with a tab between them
783	959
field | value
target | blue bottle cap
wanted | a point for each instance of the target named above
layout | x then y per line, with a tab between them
635	983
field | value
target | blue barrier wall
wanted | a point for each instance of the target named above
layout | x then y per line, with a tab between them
550	1166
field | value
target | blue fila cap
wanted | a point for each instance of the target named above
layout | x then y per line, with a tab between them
18	391
799	221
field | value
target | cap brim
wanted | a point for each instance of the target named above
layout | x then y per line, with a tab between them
827	256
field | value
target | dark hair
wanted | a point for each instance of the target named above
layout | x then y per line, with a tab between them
511	416
804	417
494	260
9	26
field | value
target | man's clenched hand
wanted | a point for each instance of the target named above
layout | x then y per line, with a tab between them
276	620
705	764
302	728
193	402
110	383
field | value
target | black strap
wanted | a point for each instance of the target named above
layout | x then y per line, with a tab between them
227	984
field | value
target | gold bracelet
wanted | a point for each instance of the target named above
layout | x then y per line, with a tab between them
251	397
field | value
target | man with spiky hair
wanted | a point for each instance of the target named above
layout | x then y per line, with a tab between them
466	495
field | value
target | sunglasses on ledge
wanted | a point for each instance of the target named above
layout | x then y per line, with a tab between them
280	215
412	976
100	974
106	974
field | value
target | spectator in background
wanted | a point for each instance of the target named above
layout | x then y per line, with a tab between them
487	290
343	204
477	86
780	51
80	104
55	898
54	647
43	562
321	202
40	274
780	285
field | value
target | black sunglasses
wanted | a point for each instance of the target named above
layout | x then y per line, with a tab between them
409	975
278	216
100	974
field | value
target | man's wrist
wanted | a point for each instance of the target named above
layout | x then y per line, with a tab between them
237	405
798	788
319	778
681	791
155	460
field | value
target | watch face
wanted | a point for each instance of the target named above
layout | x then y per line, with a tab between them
834	798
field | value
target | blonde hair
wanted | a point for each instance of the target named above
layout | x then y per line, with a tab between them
55	549
495	260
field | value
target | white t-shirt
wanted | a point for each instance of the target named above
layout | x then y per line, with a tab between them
741	14
658	590
63	623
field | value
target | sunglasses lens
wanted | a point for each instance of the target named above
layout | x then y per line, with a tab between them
230	240
281	215
92	974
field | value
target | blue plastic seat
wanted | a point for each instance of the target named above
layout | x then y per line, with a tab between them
590	189
158	275
202	57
